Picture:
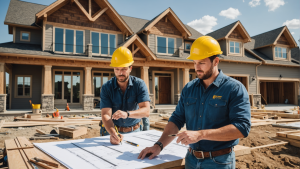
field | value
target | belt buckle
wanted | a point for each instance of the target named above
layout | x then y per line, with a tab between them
198	152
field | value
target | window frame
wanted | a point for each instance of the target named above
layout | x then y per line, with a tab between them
24	40
167	47
109	78
185	43
240	47
281	58
100	54
64	41
16	86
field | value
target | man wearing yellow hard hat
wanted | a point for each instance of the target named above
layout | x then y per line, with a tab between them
124	99
216	111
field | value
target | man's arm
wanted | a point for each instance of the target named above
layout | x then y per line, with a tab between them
109	126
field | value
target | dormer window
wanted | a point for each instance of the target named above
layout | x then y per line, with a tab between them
25	36
235	47
165	45
188	46
280	53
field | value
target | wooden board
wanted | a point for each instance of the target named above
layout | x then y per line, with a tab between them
270	145
24	143
285	133
15	160
241	150
1	123
40	131
295	136
292	142
68	129
73	134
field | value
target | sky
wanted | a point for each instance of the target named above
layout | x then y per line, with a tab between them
257	16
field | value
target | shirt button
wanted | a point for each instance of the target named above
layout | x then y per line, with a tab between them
216	104
200	116
202	103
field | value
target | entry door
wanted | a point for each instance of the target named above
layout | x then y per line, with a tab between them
164	90
67	87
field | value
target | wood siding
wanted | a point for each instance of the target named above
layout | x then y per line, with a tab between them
36	73
72	15
163	27
276	71
235	34
243	69
282	40
268	51
223	46
179	46
152	43
35	36
49	38
120	39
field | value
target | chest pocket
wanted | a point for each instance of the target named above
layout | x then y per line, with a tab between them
190	107
131	103
217	109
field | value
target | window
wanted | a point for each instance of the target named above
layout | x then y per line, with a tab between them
188	46
234	47
280	52
100	78
24	36
68	41
23	86
107	41
165	45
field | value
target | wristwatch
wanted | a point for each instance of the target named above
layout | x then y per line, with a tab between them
160	145
128	114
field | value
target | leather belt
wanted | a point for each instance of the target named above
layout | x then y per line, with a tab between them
202	155
128	129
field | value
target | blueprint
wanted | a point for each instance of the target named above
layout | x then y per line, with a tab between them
98	152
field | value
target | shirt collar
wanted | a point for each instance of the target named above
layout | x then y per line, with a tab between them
217	81
116	84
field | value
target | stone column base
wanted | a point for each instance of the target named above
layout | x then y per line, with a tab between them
2	103
176	98
47	103
152	105
88	101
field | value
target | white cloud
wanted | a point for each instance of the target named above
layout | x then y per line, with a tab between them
254	3
204	25
230	13
293	33
292	24
274	4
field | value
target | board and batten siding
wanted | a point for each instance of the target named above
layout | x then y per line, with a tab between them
36	73
48	37
276	71
243	69
35	36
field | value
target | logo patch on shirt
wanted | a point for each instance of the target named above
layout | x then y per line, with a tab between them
217	97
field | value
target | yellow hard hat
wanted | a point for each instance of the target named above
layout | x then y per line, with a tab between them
122	57
204	47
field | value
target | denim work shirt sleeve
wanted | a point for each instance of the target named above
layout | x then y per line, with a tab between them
224	102
112	97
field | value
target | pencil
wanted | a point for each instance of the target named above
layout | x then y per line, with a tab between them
172	135
118	134
131	143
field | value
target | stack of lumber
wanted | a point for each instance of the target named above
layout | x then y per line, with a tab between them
293	137
33	116
72	132
20	151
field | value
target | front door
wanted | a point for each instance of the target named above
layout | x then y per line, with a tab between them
67	87
164	90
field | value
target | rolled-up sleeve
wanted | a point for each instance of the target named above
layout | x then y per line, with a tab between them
178	116
105	101
143	94
239	109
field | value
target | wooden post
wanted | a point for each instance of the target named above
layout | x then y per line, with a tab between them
47	79
186	76
88	81
2	78
145	77
178	79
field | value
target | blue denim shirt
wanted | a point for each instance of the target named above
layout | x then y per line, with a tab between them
224	102
112	97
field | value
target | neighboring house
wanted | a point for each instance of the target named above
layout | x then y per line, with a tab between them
61	54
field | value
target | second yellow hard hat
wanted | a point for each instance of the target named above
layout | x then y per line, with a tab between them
122	57
204	47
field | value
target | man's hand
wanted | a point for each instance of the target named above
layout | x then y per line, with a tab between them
150	151
115	139
189	137
119	114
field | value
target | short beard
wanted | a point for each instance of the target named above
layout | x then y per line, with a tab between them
126	78
208	74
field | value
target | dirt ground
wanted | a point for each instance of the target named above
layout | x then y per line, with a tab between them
284	157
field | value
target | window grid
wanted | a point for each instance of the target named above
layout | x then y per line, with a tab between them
165	49
105	49
281	52
234	47
23	86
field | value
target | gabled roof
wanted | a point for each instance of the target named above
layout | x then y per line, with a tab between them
270	38
174	19
224	32
295	53
22	13
105	7
135	39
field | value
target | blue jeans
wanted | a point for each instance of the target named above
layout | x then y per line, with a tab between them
146	123
226	161
105	133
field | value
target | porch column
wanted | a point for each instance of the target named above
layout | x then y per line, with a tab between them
2	89
177	94
145	77
186	76
88	97
47	96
